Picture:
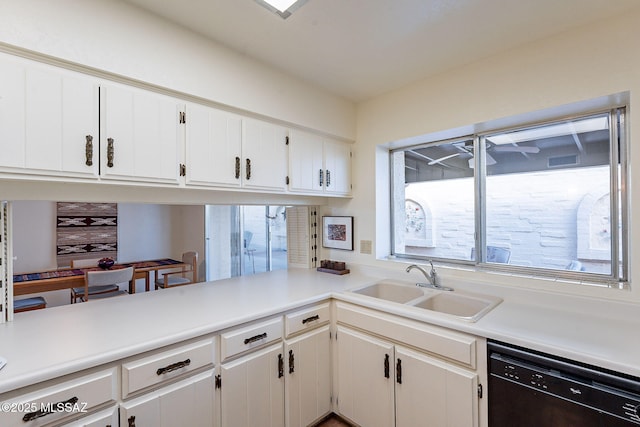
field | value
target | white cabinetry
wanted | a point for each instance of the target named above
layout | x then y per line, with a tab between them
264	155
383	382
224	149
252	375
60	399
214	147
365	386
252	389
48	116
165	402
186	403
308	373
318	164
141	135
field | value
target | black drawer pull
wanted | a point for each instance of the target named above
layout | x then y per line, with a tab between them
256	338
30	416
173	367
310	319
386	366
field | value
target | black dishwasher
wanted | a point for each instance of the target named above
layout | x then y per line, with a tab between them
531	389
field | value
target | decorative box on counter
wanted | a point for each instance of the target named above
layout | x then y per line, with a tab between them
333	267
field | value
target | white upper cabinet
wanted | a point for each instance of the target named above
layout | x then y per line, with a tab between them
318	165
214	147
48	120
141	135
264	155
224	149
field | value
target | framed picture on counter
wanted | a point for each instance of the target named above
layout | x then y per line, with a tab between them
337	232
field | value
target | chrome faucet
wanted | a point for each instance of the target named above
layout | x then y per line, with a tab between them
431	276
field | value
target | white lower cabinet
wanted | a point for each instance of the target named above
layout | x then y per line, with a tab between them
106	418
189	402
252	389
397	372
365	386
308	377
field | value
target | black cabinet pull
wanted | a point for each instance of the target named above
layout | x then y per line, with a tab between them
110	152
237	167
255	338
399	371
248	169
321	177
88	150
328	178
310	319
280	366
132	421
173	367
30	416
291	362
386	366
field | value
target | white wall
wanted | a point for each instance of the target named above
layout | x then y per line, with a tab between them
119	38
586	63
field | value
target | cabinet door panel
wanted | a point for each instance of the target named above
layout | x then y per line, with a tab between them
213	142
189	402
305	162
434	392
45	116
308	377
252	392
145	134
337	167
264	155
365	394
12	114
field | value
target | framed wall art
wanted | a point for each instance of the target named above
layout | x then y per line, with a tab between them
337	232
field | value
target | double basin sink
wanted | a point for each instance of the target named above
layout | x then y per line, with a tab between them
465	306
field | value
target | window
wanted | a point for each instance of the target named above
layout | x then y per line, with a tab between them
546	200
244	240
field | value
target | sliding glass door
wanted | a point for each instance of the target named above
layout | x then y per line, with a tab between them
244	240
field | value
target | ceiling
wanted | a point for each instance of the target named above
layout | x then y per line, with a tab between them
359	49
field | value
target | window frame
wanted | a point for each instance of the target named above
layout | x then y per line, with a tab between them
619	204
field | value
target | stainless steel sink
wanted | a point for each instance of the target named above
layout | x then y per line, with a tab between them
465	306
390	290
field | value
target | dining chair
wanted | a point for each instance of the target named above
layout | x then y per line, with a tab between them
28	304
186	275
78	293
96	280
495	254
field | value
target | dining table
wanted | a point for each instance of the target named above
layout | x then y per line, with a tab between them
67	278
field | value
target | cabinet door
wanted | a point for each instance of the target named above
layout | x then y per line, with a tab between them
186	403
106	418
252	389
432	392
213	146
46	117
337	158
306	166
365	379
308	377
264	155
142	135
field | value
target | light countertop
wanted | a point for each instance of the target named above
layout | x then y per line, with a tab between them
45	344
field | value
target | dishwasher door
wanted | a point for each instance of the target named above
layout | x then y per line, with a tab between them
535	390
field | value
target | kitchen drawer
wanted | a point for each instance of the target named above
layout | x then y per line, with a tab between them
306	319
452	345
256	335
60	400
162	366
